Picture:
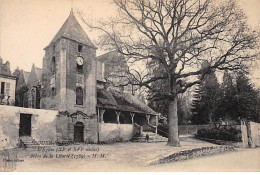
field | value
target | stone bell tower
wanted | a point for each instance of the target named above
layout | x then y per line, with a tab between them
69	70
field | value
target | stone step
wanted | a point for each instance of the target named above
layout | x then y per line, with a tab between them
150	141
28	141
149	133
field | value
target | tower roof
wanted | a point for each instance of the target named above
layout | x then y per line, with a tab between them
72	29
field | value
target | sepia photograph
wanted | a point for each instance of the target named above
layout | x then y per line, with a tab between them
129	86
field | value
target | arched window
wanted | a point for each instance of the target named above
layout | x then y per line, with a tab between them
53	66
79	96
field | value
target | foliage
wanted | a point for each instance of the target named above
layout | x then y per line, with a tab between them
246	99
226	100
183	108
163	129
223	133
204	102
238	100
234	99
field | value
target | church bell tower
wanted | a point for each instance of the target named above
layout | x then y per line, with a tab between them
69	70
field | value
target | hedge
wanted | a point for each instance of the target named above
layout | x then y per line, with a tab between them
230	134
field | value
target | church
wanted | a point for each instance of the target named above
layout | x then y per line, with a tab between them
73	82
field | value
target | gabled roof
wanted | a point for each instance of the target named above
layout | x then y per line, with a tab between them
121	101
110	56
72	29
22	80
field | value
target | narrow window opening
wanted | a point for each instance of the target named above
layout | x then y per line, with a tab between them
53	66
79	96
2	87
80	48
53	48
80	68
33	97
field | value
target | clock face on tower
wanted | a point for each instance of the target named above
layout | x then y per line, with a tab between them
80	61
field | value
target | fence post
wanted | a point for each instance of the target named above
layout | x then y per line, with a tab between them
249	134
244	134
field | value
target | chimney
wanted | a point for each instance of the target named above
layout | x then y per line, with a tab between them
7	68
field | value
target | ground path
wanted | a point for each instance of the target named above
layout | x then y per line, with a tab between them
127	156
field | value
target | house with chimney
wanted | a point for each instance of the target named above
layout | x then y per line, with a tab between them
7	84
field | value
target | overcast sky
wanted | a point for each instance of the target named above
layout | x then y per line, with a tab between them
27	26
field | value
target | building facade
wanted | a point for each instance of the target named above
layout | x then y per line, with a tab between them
7	84
74	82
28	88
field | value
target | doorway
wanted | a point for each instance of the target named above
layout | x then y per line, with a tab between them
79	132
25	125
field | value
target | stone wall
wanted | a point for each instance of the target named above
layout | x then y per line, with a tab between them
118	132
43	124
193	129
66	123
193	153
255	134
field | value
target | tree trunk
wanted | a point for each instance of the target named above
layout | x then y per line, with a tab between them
173	124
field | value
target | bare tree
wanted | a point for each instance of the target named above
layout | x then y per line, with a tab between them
178	36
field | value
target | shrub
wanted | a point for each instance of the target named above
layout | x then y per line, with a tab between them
163	129
230	134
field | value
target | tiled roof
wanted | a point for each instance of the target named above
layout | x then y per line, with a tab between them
108	56
121	101
71	29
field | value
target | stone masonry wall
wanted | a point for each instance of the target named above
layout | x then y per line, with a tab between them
65	128
67	79
43	124
111	131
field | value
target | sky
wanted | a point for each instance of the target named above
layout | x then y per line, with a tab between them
27	26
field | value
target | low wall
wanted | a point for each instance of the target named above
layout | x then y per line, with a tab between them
193	129
193	153
111	131
43	123
255	133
